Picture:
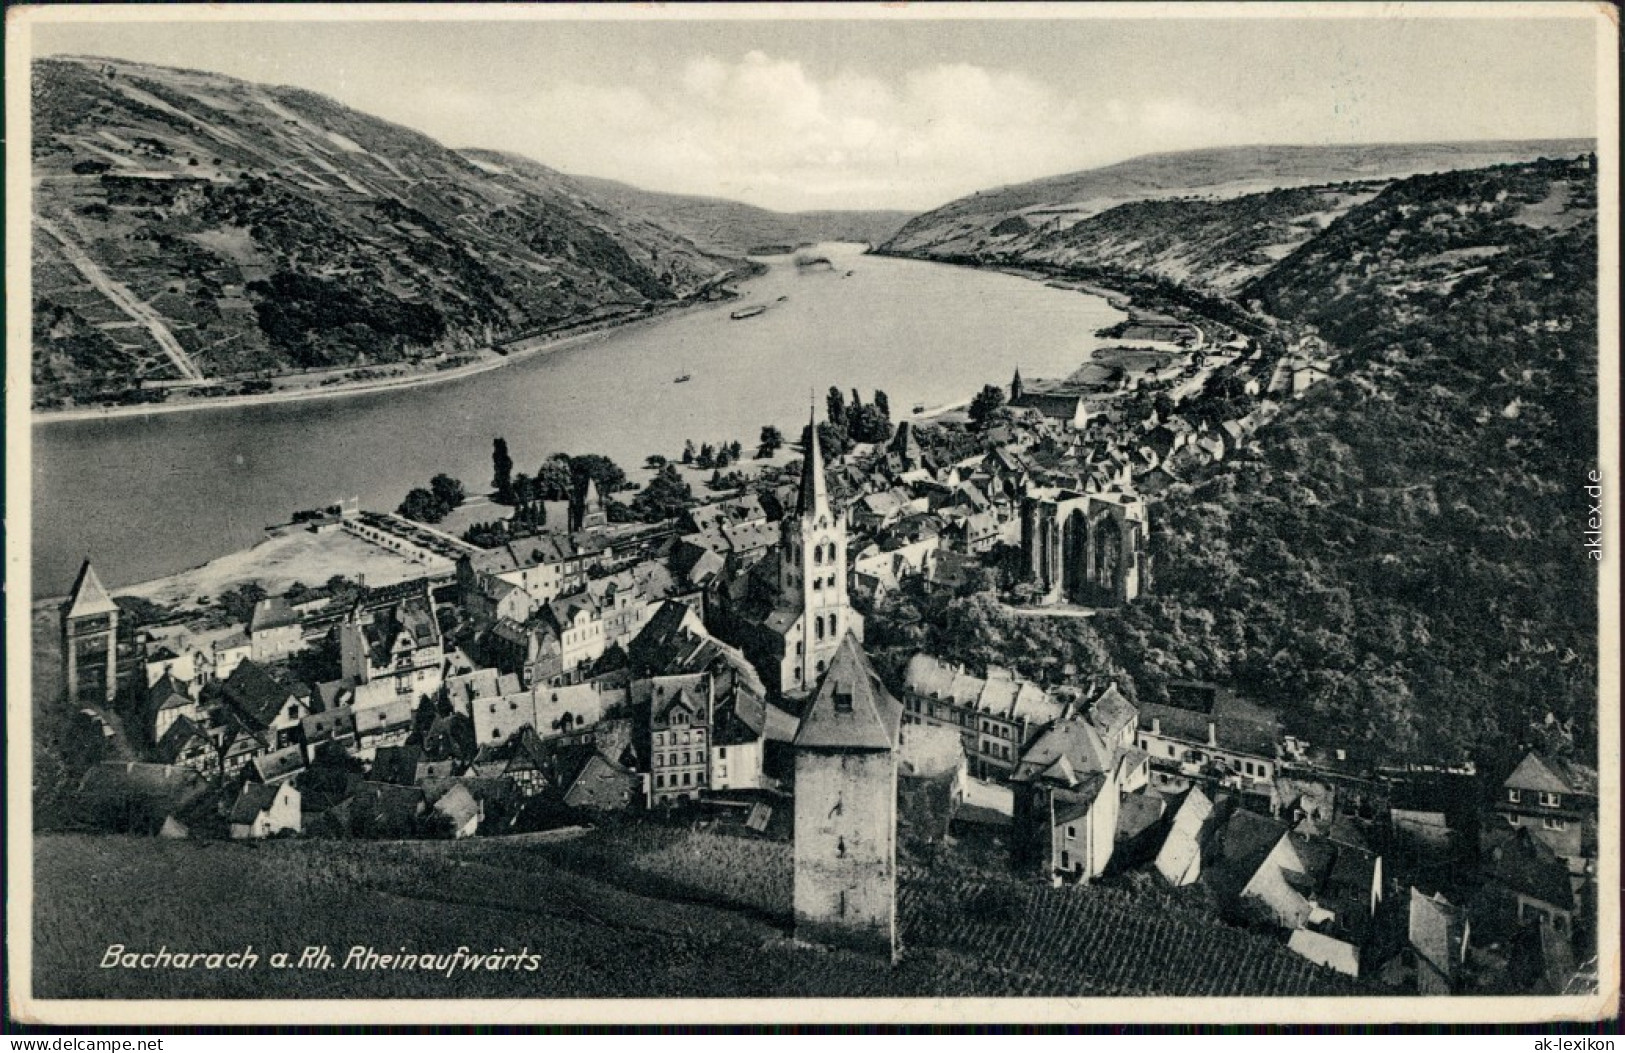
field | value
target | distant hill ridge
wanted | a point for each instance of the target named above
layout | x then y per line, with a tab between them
967	225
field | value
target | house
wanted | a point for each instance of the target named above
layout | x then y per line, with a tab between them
1066	802
168	700
1526	882
998	716
264	704
383	725
399	649
603	786
680	724
459	810
262	810
544	567
227	653
189	746
331	728
274	630
183	667
1179	860
1206	732
1437	935
277	766
1553	798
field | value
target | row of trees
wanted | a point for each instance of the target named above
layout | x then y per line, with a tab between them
708	456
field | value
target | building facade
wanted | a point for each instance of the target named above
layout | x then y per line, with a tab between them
89	641
1085	548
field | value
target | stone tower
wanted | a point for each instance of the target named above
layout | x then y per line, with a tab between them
812	575
1016	387
846	808
89	641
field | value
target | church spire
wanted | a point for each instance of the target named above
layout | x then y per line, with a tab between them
814	491
1015	386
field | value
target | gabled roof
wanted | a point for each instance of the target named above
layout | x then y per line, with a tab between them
88	597
1073	740
256	798
1111	712
1540	772
851	709
1520	862
255	693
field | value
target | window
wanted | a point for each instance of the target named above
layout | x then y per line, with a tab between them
685	778
1170	751
1071	832
685	738
1554	823
699	737
818	626
722	754
660	781
685	756
1066	861
496	733
984	747
1514	796
660	738
1551	800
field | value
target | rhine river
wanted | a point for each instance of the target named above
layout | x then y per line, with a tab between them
149	496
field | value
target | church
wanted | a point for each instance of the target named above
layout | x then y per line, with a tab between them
797	609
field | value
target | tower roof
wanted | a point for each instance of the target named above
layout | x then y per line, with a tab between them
814	490
851	710
88	597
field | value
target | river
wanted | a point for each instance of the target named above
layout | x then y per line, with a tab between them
147	496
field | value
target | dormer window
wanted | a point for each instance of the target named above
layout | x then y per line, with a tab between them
1514	796
843	699
1551	800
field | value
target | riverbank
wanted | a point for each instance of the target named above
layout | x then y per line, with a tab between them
490	360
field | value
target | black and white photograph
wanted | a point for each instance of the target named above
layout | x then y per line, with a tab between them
773	513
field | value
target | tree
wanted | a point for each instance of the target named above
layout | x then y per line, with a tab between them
736	450
688	452
989	399
771	441
447	491
420	505
666	496
707	456
883	404
835	407
554	479
501	472
605	473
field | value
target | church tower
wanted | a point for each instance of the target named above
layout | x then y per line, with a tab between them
1016	387
812	576
89	641
846	808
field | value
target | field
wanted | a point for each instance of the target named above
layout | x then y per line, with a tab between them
640	911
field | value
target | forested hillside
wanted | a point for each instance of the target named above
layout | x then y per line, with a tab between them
1401	566
189	226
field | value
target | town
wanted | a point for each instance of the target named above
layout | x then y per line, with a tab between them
751	662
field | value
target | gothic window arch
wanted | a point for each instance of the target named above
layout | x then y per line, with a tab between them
818	626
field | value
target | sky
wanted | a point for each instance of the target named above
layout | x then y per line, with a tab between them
898	111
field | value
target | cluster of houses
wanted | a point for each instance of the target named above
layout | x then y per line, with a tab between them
718	660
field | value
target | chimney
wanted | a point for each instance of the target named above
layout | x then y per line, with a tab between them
1156	725
1212	733
1342	755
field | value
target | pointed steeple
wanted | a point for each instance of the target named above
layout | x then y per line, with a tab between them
814	491
88	597
1016	386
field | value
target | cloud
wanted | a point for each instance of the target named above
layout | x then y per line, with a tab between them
763	129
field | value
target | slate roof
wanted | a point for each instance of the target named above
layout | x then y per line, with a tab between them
254	799
1139	812
255	693
603	784
851	709
1519	861
279	764
814	493
1073	740
1112	712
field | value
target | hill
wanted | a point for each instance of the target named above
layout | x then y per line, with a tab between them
1037	216
732	227
1400	566
192	226
649	913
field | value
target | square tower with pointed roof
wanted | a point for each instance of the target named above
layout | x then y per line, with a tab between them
89	641
846	808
